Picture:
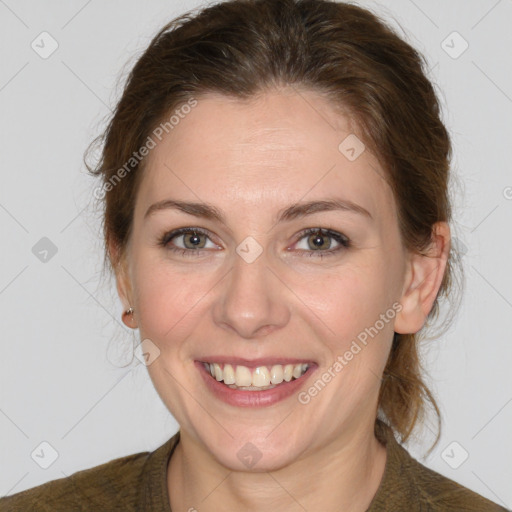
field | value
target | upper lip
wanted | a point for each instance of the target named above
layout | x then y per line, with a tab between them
254	363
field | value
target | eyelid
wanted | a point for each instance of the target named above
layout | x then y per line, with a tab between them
175	233
324	231
343	241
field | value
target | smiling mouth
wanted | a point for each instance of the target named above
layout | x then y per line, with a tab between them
255	379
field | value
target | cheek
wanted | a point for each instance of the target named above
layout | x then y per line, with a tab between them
169	300
348	300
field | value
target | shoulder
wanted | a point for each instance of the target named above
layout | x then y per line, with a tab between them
409	485
443	494
103	487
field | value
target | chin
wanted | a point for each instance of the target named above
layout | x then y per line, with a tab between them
254	449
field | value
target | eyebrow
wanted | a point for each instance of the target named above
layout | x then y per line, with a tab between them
297	210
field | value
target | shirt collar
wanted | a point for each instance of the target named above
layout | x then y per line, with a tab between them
154	495
395	488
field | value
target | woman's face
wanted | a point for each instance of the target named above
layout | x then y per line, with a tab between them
253	290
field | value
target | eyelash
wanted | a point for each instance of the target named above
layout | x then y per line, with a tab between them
344	241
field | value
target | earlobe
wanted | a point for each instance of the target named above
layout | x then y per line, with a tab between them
424	276
123	284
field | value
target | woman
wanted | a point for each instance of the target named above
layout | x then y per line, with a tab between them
276	214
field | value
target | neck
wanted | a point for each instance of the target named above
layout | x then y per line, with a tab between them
346	475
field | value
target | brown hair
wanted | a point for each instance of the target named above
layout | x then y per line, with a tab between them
241	48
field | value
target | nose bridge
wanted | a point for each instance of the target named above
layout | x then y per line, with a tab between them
251	302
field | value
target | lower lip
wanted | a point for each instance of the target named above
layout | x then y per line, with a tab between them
241	398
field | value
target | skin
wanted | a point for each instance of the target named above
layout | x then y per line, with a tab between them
251	159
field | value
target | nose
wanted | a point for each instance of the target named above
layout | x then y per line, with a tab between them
252	301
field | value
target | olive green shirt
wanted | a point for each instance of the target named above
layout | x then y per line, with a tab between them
139	483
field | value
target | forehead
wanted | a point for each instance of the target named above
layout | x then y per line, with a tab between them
267	152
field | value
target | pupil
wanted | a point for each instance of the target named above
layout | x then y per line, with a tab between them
318	240
194	239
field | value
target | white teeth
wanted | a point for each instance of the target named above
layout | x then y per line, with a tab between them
276	374
229	374
261	377
287	373
243	376
297	371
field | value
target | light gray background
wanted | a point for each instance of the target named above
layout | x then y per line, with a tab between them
66	376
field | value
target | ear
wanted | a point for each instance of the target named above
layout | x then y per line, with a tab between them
123	282
423	279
